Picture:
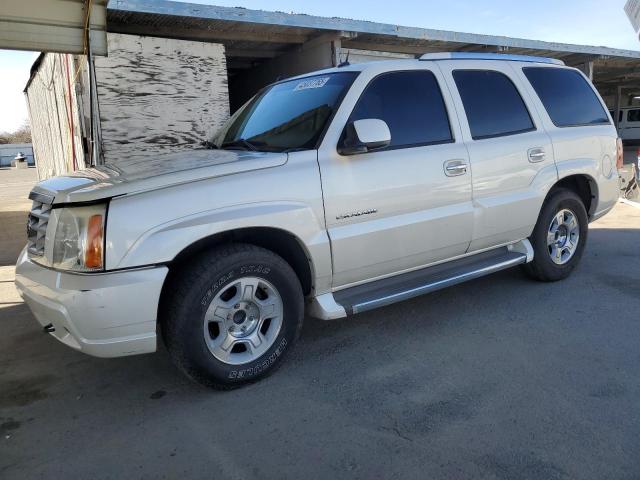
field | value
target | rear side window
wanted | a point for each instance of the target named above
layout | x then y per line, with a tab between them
633	116
568	98
412	105
492	103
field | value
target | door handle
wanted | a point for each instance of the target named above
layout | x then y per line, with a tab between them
536	155
453	168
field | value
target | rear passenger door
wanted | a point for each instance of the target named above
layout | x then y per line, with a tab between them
508	149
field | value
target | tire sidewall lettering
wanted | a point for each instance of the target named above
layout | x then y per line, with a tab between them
263	365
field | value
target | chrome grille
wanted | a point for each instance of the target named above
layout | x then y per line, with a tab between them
37	227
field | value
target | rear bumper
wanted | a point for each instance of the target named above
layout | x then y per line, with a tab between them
104	315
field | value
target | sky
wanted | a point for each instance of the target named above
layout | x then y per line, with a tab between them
589	22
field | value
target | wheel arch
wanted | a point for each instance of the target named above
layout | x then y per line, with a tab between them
280	242
582	185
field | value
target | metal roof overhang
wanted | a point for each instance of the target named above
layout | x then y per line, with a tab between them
52	25
253	36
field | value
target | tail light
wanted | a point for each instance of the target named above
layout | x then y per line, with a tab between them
620	154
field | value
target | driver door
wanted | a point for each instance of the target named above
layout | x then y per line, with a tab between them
405	205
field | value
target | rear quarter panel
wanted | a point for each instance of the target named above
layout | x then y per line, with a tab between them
583	150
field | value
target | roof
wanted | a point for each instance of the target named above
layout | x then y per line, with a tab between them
53	25
503	57
402	63
35	66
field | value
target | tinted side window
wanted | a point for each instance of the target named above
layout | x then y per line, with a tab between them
412	105
567	97
633	116
492	104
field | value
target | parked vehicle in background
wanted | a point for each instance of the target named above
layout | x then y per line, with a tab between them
628	125
334	192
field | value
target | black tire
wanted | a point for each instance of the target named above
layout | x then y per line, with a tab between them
190	294
542	267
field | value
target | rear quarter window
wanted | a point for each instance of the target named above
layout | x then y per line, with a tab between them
567	96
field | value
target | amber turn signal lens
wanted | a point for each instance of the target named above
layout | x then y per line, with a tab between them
95	240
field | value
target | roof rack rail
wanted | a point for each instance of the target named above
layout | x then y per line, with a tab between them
489	56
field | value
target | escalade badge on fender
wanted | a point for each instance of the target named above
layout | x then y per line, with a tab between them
356	214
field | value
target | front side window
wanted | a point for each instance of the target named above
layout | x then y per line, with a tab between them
290	115
492	103
568	98
411	104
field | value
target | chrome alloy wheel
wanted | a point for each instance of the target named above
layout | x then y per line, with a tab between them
243	320
563	236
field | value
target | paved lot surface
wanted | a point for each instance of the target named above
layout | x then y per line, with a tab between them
15	185
500	378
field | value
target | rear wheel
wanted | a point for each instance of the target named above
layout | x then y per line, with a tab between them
559	237
232	315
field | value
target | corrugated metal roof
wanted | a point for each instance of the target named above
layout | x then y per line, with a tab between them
52	25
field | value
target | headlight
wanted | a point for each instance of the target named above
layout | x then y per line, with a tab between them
78	244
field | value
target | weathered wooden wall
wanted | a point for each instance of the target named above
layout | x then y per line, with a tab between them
157	95
53	109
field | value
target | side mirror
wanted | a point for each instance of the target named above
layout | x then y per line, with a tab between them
365	135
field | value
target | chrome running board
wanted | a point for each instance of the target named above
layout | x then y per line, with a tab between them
403	287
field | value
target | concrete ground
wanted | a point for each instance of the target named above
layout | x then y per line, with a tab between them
15	185
500	378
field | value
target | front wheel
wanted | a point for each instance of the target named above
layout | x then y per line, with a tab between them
559	237
231	315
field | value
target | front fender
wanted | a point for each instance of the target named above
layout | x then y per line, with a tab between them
162	243
154	227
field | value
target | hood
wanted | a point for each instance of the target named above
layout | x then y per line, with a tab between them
152	173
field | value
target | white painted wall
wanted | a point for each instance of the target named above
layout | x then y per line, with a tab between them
54	115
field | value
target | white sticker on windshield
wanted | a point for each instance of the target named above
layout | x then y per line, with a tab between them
312	83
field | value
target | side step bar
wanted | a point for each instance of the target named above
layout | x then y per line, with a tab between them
402	287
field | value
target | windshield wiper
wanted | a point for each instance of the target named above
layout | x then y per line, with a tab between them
240	142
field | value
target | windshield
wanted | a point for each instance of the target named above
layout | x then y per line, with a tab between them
287	116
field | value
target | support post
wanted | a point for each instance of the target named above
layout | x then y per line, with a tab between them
588	70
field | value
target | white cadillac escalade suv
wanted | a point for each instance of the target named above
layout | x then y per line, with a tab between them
331	193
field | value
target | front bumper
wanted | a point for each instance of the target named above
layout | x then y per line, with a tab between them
109	314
